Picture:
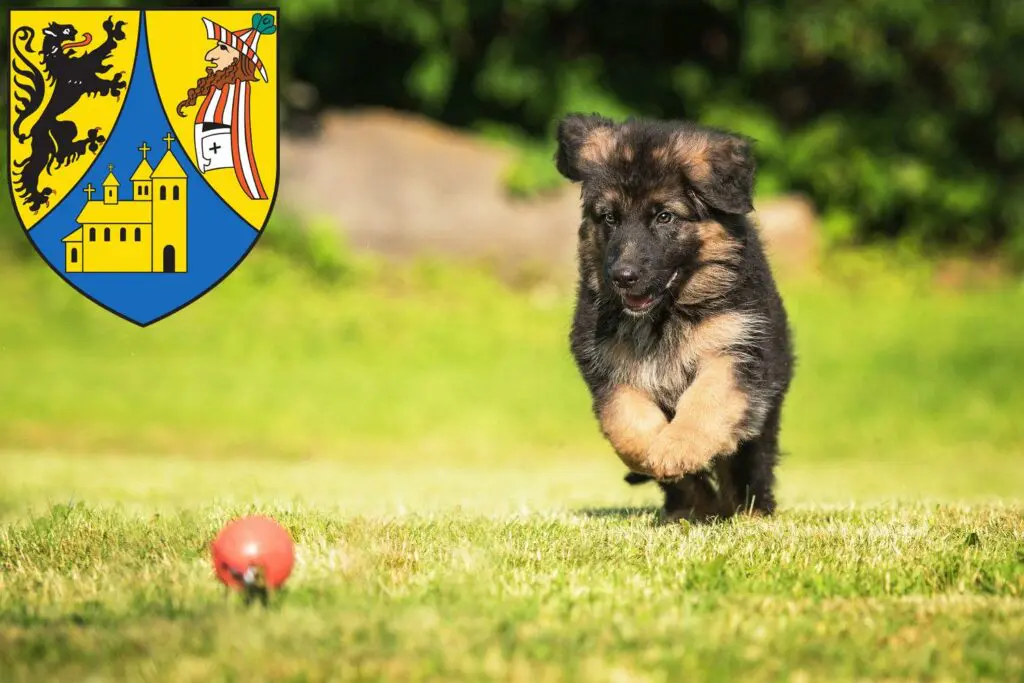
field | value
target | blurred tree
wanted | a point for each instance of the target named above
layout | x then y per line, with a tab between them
898	119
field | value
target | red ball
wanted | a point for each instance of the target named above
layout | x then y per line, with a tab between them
253	542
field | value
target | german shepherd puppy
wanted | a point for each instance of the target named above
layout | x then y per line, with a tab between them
679	330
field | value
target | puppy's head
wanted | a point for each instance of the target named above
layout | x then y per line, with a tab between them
657	197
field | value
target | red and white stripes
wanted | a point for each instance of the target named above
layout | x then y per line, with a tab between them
229	105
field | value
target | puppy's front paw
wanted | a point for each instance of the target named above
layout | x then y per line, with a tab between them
676	453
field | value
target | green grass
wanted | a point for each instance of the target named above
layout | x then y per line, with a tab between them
907	592
424	435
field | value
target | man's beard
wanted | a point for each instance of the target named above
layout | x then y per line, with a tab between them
238	70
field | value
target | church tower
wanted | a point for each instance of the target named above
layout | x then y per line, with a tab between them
170	214
142	184
110	186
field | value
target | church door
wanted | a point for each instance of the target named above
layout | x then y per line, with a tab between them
168	259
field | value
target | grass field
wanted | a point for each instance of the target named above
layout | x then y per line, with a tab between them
424	435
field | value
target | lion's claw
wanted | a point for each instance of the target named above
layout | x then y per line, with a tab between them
114	31
95	139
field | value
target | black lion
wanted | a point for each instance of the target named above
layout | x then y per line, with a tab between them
52	139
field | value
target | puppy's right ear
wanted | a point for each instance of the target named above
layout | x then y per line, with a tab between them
583	140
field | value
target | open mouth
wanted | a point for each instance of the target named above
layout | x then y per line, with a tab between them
640	304
86	39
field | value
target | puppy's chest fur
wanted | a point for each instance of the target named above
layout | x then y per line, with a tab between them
643	354
660	358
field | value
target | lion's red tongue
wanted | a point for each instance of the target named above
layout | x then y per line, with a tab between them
86	39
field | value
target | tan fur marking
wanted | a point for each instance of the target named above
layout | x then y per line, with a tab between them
598	147
669	202
717	247
611	197
627	153
692	152
716	244
708	282
713	336
708	417
660	154
631	421
677	207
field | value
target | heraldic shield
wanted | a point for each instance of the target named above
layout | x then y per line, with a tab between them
143	147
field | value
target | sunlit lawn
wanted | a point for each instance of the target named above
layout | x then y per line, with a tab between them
428	442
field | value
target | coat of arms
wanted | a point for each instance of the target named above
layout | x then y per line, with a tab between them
143	147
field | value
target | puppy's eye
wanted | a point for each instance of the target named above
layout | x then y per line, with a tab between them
609	218
665	217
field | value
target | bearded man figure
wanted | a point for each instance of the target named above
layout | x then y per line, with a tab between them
223	130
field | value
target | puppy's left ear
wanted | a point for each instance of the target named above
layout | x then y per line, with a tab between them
584	141
721	166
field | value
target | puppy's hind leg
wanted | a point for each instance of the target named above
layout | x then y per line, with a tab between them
692	498
749	475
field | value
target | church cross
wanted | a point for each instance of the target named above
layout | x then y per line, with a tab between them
89	189
169	139
110	167
145	148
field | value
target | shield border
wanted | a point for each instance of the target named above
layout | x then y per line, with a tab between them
272	198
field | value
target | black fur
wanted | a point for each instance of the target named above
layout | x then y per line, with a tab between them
666	202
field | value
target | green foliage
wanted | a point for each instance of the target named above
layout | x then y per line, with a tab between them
531	170
897	119
14	243
313	245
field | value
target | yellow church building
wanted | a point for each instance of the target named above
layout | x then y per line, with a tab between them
145	234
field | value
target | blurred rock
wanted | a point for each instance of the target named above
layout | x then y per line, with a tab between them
789	227
402	185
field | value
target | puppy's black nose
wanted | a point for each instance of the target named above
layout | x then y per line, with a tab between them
625	276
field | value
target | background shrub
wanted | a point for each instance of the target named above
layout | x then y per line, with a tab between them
899	120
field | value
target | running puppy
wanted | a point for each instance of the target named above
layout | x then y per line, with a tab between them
679	330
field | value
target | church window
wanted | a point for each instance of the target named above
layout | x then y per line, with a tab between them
92	234
163	192
74	255
124	234
106	234
175	193
138	234
145	190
